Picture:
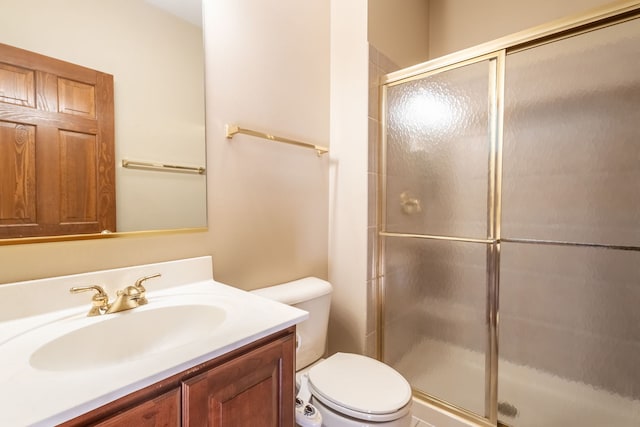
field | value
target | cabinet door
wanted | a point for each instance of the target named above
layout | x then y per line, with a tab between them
161	411
255	389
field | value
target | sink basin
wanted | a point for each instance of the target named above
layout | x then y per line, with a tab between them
127	336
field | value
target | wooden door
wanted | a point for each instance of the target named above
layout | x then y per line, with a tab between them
57	168
254	389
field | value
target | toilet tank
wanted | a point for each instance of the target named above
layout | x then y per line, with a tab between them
314	296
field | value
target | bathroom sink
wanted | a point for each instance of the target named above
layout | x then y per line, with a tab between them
59	363
127	336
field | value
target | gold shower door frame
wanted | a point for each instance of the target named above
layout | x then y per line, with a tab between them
495	77
495	53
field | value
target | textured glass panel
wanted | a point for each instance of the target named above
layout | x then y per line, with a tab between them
572	141
437	153
435	319
569	336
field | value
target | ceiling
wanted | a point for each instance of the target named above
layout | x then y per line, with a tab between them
189	10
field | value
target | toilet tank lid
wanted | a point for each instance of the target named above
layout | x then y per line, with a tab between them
296	291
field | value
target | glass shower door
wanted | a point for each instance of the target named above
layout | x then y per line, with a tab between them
437	230
570	259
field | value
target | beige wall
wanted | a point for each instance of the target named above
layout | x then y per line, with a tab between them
38	260
267	204
456	25
413	31
348	175
400	30
268	70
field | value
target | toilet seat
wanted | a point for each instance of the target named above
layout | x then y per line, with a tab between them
360	387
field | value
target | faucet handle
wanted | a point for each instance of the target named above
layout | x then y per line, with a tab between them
143	299
99	301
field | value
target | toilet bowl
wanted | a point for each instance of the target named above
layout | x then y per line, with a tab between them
346	389
354	390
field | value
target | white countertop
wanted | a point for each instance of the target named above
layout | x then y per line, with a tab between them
44	397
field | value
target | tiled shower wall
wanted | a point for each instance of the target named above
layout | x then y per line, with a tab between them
379	65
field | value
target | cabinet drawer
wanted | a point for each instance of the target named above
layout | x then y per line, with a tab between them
161	411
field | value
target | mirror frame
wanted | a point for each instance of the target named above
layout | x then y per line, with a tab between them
136	233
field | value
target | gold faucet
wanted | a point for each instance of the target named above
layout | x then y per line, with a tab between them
126	299
99	302
130	297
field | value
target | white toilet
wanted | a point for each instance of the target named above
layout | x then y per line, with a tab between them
347	389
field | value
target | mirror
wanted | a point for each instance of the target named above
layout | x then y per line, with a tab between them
154	50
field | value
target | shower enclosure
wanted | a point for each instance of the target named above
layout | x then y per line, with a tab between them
509	243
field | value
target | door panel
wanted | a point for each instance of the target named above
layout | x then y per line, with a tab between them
17	176
17	85
78	176
435	317
76	98
439	225
437	151
571	168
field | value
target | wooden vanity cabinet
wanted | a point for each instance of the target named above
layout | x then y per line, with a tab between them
251	386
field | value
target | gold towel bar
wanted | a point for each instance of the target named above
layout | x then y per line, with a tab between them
162	167
234	129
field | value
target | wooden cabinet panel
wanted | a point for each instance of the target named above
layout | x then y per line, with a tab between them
162	411
246	391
